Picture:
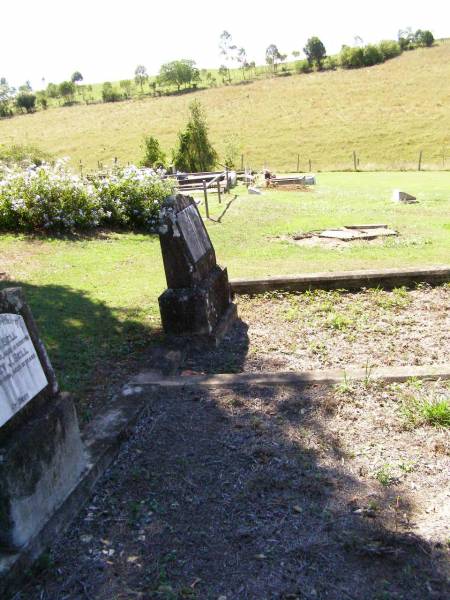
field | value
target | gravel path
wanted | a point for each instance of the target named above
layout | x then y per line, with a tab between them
260	493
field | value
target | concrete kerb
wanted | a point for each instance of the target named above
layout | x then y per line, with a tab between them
347	280
313	377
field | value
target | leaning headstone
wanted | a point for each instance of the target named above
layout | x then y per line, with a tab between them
41	453
198	300
398	196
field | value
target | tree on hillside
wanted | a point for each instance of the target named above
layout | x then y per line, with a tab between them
227	50
315	52
6	94
126	85
52	90
195	152
76	77
109	94
224	72
153	155
67	91
26	87
406	38
25	100
274	56
242	60
424	38
41	99
140	76
179	72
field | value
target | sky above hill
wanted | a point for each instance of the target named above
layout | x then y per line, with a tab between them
47	41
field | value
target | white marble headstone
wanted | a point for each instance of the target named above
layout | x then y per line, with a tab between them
21	373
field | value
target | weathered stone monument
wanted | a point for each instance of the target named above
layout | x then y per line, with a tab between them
41	453
399	196
197	301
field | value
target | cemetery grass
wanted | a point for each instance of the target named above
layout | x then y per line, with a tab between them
95	296
386	114
287	493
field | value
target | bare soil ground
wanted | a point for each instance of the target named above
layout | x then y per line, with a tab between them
336	329
266	493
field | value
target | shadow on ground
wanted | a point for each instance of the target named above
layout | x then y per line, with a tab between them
242	493
92	348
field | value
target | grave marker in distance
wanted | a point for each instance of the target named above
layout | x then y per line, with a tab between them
198	300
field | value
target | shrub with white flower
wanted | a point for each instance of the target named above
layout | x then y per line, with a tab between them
132	196
50	197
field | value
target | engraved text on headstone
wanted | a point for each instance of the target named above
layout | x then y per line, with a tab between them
21	373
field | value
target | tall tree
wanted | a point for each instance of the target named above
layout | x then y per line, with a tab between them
195	152
273	56
6	94
315	51
67	91
140	76
242	60
227	50
76	77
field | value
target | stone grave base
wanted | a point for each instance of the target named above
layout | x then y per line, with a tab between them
40	464
203	310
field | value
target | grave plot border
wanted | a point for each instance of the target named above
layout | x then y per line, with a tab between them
310	377
346	280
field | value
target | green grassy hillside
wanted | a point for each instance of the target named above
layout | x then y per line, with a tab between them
386	113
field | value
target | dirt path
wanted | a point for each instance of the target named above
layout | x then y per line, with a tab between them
265	493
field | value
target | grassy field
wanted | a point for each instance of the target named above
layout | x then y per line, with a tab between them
386	114
95	298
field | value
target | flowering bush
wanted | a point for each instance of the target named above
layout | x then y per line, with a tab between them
131	196
50	197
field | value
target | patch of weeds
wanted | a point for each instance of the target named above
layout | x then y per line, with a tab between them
86	416
407	466
345	387
373	505
324	307
291	314
415	383
406	243
432	409
338	322
319	348
368	381
384	475
398	298
436	412
324	301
